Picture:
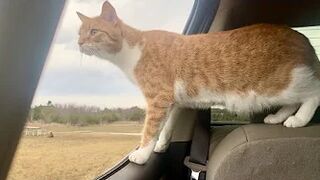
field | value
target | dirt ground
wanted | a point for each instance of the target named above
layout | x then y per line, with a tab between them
75	153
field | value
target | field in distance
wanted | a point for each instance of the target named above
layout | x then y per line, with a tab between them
75	153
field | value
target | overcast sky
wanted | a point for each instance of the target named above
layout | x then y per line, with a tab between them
72	78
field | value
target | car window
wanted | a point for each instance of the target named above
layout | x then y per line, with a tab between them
86	115
220	115
313	34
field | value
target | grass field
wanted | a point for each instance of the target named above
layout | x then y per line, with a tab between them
75	153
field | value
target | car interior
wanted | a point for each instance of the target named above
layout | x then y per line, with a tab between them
200	148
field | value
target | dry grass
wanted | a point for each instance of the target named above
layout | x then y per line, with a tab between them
122	126
72	156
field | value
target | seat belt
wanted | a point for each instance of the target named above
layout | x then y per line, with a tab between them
197	160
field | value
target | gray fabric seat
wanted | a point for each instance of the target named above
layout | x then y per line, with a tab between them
263	152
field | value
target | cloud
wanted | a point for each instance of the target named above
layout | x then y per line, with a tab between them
155	14
61	56
86	82
142	14
70	73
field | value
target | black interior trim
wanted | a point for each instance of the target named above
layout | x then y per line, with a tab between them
121	164
295	13
201	138
201	17
26	32
160	165
175	168
316	117
153	169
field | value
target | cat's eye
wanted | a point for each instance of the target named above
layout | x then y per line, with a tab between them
93	31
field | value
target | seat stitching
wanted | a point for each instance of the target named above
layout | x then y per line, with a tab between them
245	133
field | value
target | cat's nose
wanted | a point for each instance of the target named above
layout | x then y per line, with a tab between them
80	42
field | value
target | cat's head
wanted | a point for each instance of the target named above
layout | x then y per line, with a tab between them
101	36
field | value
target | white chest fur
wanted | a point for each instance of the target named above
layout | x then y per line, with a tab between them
126	59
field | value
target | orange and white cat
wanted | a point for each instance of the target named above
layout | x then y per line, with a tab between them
247	69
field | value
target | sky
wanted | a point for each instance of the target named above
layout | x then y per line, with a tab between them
313	33
70	77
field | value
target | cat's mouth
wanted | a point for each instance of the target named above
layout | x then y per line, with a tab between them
87	50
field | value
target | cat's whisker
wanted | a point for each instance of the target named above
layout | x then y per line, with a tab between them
81	59
91	51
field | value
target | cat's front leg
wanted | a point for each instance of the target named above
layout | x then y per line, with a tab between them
154	117
285	112
166	132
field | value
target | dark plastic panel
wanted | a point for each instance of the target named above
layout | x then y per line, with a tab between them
27	29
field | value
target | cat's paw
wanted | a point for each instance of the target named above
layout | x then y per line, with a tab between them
294	122
272	119
161	146
139	157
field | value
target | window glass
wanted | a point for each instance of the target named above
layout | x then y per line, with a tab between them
313	34
220	114
86	114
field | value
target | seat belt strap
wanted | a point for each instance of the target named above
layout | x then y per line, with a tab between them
197	160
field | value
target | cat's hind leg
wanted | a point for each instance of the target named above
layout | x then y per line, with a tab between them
282	114
166	132
304	114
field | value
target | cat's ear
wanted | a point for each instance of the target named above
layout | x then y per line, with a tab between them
82	17
108	13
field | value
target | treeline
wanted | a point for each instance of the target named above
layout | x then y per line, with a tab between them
90	115
224	115
83	115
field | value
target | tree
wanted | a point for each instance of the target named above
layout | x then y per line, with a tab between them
83	115
49	103
37	114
